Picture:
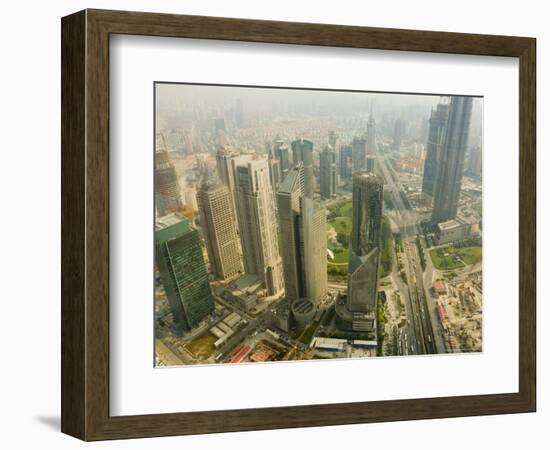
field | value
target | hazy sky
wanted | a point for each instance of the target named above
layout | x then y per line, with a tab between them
185	100
173	95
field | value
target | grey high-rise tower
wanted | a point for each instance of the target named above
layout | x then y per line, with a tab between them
258	224
303	247
327	172
359	154
167	190
302	151
371	162
475	162
371	135
282	153
450	161
346	162
333	142
436	135
358	311
218	228
275	171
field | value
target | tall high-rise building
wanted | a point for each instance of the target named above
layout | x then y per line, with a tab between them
302	151
327	172
436	135
281	151
371	162
358	311
180	262
366	212
333	142
359	153
450	161
275	172
288	205
346	162
332	139
371	135
167	189
258	224
398	132
424	130
227	158
302	224
475	162
224	164
313	220
218	227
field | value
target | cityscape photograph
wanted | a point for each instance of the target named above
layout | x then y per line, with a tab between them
302	224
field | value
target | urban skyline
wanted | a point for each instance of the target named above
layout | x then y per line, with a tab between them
318	224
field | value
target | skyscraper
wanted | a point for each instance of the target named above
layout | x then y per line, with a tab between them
333	142
218	227
257	223
302	224
282	153
313	221
346	162
371	135
224	164
436	134
167	190
302	151
327	172
227	158
366	212
179	259
371	161
450	161
332	139
359	154
275	173
475	162
358	311
288	204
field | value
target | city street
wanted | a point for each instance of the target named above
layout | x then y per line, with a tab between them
420	324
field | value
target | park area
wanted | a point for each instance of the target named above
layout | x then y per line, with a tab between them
338	231
203	346
451	257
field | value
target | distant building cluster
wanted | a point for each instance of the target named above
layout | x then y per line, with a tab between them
259	216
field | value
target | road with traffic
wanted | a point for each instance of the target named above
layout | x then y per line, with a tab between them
420	336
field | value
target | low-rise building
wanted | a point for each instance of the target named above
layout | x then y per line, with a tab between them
329	344
452	231
281	316
440	288
242	292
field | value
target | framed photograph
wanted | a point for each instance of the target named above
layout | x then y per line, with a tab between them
272	225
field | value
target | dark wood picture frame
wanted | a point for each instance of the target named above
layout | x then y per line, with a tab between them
85	224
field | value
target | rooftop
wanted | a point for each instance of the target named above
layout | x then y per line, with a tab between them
448	225
168	220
